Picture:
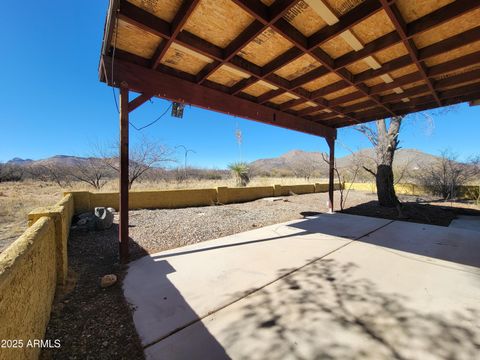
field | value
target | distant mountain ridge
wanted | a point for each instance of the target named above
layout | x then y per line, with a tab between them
415	159
60	160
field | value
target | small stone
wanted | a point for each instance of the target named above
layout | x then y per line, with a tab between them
108	280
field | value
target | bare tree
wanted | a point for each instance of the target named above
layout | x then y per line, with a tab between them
143	157
50	172
444	177
349	174
91	171
305	168
385	142
10	172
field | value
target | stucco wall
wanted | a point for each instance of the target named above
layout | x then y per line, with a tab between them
61	214
465	192
30	269
27	286
165	199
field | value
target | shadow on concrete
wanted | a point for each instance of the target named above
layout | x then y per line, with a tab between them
443	243
96	323
338	225
325	312
418	212
167	301
219	247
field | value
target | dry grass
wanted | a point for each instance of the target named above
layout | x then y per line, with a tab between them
17	199
203	184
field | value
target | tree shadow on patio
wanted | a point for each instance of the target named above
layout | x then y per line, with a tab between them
325	312
417	212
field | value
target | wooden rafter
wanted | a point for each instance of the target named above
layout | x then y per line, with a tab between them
181	17
144	80
250	33
272	16
256	8
401	27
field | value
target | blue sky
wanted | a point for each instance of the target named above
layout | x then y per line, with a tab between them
52	102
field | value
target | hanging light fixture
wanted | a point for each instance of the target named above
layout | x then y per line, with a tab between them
177	110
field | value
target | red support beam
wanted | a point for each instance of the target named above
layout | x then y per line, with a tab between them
124	124
143	80
331	174
266	14
139	100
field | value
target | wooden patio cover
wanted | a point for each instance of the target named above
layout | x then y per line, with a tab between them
310	65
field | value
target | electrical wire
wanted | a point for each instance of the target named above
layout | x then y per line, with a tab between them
113	87
151	123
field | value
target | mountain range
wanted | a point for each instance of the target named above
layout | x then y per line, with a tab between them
412	158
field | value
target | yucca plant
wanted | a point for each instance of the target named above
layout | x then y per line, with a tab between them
240	171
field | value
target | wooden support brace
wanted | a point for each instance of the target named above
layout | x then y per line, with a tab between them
331	169
124	123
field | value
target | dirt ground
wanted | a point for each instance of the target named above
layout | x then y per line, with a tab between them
17	199
96	323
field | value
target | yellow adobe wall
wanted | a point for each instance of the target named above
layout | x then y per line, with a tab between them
167	199
226	195
464	192
298	189
27	286
61	214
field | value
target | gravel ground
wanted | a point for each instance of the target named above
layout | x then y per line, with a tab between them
157	230
96	323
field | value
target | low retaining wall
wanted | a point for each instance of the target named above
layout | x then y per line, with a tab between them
169	199
464	192
30	269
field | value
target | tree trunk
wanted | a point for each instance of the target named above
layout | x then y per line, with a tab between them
385	150
385	188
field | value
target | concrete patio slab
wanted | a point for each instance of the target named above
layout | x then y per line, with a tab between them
365	300
172	289
430	243
466	222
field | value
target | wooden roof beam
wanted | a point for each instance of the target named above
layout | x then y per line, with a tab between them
250	33
401	27
257	9
427	22
449	97
144	80
180	19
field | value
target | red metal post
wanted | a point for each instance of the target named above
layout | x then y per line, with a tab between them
124	123
331	180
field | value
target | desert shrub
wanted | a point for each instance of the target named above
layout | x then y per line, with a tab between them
240	171
9	172
444	177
